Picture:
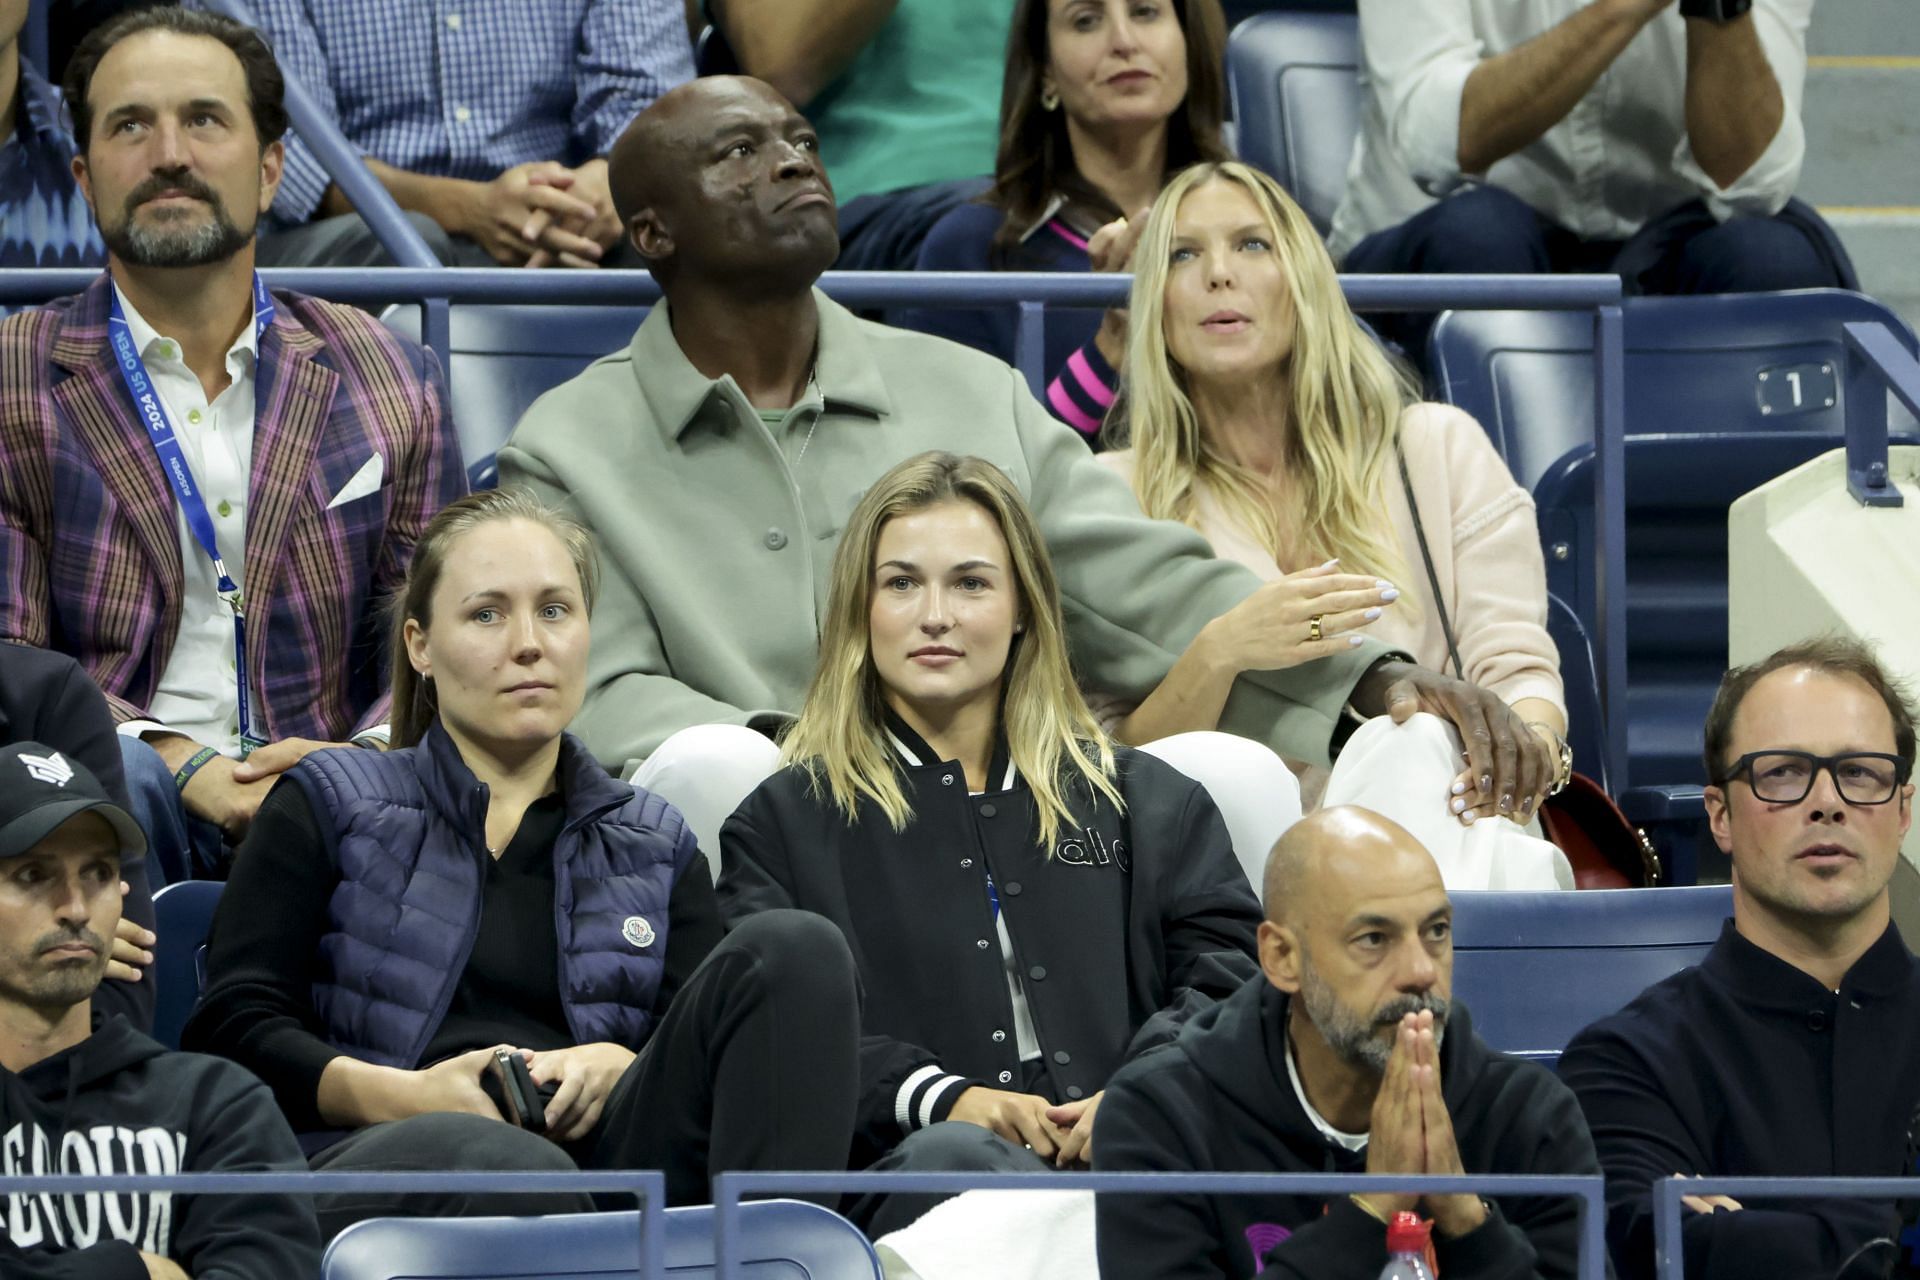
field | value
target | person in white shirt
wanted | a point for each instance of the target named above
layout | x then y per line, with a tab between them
208	491
1658	140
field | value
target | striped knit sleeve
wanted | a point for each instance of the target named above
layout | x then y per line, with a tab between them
1082	392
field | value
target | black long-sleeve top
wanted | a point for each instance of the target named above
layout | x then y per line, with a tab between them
1746	1066
263	953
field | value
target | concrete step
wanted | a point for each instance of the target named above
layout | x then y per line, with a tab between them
1874	27
1862	119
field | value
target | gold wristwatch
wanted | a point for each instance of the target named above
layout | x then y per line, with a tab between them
1564	774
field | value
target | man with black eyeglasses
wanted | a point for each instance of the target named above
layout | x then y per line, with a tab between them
1794	1048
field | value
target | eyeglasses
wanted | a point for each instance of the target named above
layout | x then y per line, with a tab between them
1786	777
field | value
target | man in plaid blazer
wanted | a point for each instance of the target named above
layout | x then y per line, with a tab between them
317	440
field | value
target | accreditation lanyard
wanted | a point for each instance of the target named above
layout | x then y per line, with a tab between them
133	370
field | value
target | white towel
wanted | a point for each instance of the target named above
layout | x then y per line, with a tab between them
1403	772
1008	1235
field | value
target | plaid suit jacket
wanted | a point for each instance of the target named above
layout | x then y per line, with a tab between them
89	541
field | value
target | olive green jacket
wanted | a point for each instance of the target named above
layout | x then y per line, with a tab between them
717	533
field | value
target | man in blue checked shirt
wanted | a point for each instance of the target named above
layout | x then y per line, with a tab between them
491	117
44	220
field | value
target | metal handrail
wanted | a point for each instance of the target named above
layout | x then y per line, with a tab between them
649	1185
1669	1254
1031	292
1589	1190
1878	357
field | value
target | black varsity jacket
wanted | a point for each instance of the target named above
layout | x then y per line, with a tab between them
1130	924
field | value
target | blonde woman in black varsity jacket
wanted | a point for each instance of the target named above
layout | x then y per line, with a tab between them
1029	906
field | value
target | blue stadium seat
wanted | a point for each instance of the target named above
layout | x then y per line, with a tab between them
782	1240
1586	724
484	474
182	913
1238	11
1294	80
1722	395
504	357
1535	968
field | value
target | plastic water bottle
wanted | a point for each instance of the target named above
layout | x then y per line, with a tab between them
1407	1239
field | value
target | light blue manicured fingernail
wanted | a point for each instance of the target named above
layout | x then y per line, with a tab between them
1353	642
1467	818
1371	614
1329	564
1458	805
1459	788
1390	594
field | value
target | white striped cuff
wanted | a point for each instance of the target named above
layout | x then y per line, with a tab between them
919	1094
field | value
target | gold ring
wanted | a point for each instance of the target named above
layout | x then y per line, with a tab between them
1313	626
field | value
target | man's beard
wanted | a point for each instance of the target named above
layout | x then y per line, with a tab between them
1353	1036
170	241
53	989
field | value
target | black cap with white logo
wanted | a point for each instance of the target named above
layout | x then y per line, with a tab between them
40	788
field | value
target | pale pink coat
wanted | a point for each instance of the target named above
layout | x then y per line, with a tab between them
1481	528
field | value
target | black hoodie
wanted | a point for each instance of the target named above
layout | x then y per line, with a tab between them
1219	1099
119	1103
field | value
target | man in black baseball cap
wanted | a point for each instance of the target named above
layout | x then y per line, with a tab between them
76	1100
41	790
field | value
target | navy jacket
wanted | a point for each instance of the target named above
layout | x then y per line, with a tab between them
1747	1066
404	828
354	907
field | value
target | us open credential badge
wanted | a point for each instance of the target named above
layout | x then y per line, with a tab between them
637	931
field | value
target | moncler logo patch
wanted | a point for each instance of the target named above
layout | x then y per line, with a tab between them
53	769
637	931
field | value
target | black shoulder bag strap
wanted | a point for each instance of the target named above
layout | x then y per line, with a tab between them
1426	556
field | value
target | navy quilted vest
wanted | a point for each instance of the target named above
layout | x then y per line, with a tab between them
407	833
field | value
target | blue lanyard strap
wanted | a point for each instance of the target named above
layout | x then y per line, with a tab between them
166	445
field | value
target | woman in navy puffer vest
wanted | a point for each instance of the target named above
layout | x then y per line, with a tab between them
395	920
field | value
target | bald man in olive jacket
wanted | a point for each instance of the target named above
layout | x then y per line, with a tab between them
717	457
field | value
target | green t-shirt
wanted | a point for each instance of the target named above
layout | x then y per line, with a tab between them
919	104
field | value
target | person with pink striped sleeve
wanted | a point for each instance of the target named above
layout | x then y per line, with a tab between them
1103	100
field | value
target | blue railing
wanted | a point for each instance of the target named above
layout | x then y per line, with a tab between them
1586	1190
1667	1193
1589	1191
1875	356
728	1189
435	290
649	1187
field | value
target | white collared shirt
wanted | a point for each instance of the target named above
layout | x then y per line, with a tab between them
197	694
1615	162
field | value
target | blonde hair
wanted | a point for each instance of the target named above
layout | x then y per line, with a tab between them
1346	397
840	735
414	703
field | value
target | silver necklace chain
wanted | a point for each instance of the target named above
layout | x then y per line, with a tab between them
815	424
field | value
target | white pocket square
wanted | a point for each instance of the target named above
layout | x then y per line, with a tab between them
365	481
